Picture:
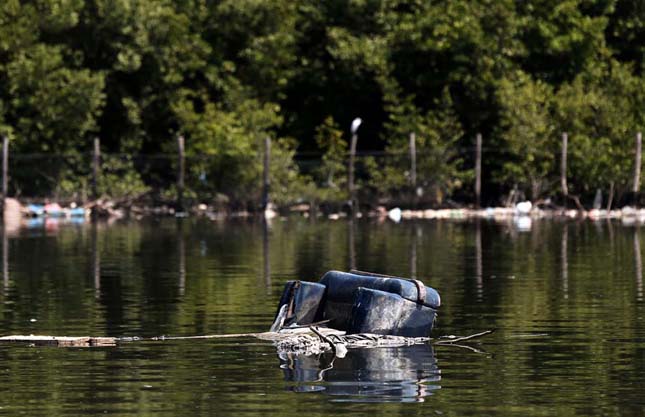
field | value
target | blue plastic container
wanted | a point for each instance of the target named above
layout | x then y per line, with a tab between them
382	312
361	302
305	301
342	289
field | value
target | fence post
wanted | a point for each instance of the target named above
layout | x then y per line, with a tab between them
266	181
478	169
413	161
637	168
5	171
96	168
180	173
563	166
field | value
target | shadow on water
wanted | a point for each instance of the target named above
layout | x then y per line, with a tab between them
407	374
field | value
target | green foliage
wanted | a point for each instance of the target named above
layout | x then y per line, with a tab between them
563	38
119	179
528	131
226	74
225	149
332	174
439	165
53	107
601	112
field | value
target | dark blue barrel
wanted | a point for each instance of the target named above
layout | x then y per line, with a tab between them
306	301
381	312
342	287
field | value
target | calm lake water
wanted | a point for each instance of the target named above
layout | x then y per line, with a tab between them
565	298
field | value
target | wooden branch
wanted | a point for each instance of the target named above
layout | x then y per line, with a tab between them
330	336
577	201
449	340
61	341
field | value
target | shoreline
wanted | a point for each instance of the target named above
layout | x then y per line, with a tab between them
15	211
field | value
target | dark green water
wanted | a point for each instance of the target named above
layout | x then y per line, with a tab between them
566	300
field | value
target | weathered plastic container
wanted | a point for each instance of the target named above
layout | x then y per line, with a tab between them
342	287
381	312
361	302
305	300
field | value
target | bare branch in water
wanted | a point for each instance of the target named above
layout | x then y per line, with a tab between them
449	340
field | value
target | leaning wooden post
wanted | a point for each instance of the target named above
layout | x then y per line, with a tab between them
5	171
563	167
180	173
356	123
266	181
478	169
637	168
96	168
413	161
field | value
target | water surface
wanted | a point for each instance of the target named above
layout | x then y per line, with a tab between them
565	299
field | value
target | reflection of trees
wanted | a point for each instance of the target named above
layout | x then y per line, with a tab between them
5	259
638	264
487	277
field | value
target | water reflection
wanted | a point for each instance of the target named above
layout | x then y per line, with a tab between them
479	268
638	264
181	249
406	374
416	235
159	277
5	259
266	255
96	260
351	242
564	259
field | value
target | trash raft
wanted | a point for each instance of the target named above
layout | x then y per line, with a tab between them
344	310
357	309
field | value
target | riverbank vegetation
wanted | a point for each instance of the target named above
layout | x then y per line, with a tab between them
227	74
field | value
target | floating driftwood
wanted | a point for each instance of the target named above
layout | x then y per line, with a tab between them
308	344
61	341
285	333
300	340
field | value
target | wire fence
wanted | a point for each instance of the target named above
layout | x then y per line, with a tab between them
169	177
154	179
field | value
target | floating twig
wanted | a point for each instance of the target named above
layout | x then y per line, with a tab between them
449	340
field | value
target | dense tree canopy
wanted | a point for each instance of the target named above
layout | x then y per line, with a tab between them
228	73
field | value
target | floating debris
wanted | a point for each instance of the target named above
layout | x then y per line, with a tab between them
60	341
307	344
